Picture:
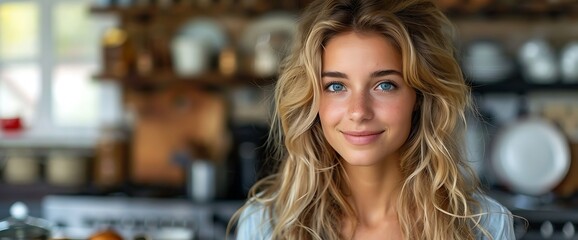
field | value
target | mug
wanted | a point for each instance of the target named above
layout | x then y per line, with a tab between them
201	181
190	56
569	63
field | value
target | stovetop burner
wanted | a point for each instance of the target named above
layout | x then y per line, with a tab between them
78	217
541	217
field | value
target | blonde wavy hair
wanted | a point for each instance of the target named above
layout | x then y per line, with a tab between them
305	198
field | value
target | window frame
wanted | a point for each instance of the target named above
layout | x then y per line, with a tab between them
44	131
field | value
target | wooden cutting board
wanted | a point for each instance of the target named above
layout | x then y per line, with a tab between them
184	118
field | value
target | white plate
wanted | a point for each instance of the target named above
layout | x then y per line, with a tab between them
531	157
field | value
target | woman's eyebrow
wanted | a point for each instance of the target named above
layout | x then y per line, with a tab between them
375	74
383	73
334	74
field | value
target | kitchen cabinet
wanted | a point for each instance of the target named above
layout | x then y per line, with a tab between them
507	28
185	109
504	27
147	57
506	100
166	112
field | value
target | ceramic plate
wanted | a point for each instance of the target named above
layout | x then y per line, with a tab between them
531	156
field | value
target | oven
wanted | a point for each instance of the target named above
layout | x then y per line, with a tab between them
79	217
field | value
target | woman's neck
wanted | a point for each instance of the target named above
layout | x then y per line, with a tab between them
374	190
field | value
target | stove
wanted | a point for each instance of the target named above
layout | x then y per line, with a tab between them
546	224
541	217
78	217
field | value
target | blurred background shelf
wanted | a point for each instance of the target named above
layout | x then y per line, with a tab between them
208	79
208	8
521	87
510	9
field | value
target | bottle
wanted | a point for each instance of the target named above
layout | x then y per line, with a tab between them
266	60
116	52
110	163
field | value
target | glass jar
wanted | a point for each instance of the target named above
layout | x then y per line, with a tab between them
20	226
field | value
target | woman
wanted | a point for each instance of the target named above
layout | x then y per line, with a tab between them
369	122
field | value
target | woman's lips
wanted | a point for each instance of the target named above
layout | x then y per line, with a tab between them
361	138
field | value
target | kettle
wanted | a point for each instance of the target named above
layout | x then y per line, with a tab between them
20	226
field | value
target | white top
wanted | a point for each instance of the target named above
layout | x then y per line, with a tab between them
254	223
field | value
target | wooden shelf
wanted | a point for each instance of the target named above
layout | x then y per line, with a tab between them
207	80
521	87
529	9
36	190
184	10
189	10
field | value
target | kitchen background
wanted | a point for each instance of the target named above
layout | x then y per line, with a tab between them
148	117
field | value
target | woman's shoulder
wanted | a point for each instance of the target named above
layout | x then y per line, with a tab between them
489	205
495	218
254	222
254	210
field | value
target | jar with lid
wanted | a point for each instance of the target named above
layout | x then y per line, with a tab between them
20	226
21	167
66	168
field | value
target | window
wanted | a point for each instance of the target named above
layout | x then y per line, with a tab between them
49	51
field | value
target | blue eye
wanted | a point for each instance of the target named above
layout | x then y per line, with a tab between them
335	87
386	86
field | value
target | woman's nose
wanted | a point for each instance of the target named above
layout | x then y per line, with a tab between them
359	108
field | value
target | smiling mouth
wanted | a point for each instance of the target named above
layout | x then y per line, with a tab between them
362	138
